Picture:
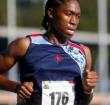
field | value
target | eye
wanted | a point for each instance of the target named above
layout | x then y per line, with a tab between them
68	13
79	16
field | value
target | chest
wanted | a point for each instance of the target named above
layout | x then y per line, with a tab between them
54	59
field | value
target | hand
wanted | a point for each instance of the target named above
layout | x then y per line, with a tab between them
89	80
25	90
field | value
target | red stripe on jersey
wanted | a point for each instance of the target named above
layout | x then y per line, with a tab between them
35	35
77	46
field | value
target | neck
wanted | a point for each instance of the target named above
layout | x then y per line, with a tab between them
56	38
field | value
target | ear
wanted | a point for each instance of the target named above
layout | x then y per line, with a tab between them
50	13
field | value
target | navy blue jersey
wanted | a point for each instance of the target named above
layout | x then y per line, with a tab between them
44	61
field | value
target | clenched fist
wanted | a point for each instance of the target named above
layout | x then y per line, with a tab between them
89	80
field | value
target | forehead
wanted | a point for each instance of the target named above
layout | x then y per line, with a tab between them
70	5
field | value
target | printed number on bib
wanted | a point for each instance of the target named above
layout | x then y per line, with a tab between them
57	97
57	93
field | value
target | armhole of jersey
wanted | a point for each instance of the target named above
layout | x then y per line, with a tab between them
28	36
84	53
82	46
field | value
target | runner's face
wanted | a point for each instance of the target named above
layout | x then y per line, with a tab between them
66	18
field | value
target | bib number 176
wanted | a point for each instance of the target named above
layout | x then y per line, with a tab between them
59	97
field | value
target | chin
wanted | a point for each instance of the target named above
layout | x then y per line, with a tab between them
69	36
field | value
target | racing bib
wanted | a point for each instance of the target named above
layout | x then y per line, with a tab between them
58	93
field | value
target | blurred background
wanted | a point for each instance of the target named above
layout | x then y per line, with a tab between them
19	18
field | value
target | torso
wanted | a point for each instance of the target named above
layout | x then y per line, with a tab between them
45	62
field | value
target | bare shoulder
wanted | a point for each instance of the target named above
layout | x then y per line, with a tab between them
88	56
13	53
18	47
86	49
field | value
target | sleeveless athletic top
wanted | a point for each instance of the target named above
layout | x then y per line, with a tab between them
46	63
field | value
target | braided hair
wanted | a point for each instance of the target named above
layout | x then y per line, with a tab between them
51	4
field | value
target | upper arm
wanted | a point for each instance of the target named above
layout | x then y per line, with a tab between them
88	57
14	52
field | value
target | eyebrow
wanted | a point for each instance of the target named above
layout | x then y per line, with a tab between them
73	12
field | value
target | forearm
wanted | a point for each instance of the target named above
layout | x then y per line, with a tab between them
8	85
86	99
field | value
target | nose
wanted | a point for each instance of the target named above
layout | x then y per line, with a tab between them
73	20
